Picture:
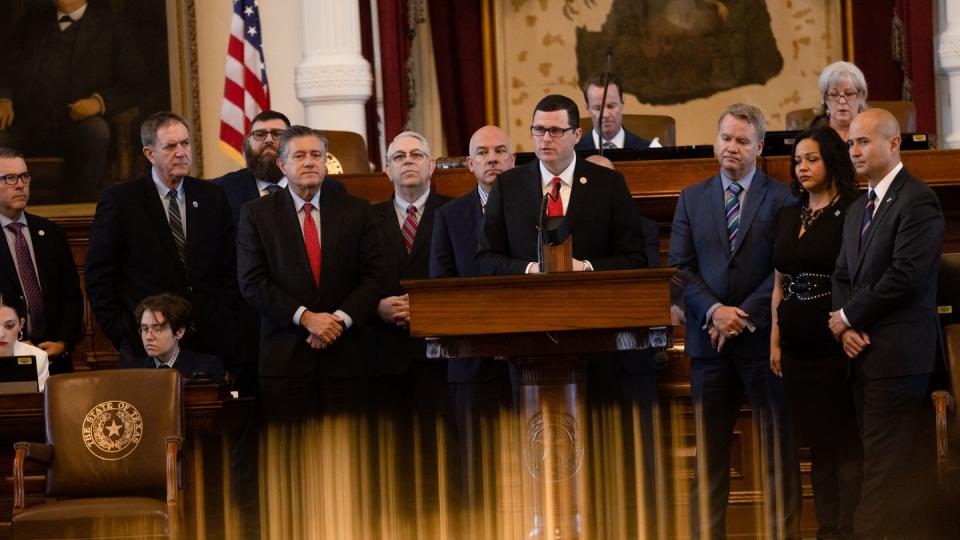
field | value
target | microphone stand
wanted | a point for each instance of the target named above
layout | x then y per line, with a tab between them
543	211
603	100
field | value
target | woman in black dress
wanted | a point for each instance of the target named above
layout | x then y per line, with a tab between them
802	349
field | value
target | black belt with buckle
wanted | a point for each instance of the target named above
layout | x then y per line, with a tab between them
805	286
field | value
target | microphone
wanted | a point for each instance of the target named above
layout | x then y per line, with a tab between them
540	219
603	100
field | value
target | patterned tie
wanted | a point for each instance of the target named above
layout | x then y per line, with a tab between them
311	240
273	188
409	228
608	145
732	207
28	277
176	226
868	212
555	203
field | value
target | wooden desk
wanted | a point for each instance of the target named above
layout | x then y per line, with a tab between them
210	414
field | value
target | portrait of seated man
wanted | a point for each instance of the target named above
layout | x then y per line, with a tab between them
70	68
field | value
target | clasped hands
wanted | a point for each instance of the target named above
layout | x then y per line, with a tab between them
324	328
727	322
853	341
78	110
395	310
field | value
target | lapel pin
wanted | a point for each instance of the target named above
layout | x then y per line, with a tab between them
583	180
196	204
41	232
837	213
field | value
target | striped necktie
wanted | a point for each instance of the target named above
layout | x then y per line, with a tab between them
176	226
409	228
868	212
732	208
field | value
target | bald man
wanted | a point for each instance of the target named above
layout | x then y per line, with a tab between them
884	294
453	251
454	248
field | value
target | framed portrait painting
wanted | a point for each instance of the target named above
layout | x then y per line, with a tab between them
80	77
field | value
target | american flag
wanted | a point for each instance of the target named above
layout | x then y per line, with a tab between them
245	89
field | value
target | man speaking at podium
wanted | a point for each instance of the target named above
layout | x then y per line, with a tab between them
590	202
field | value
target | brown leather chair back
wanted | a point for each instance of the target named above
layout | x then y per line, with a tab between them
109	429
347	153
647	126
904	111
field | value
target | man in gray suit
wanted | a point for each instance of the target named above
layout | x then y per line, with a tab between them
722	246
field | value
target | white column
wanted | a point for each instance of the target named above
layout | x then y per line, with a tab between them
948	63
333	79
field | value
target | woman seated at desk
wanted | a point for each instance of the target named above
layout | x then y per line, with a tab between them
164	319
844	91
12	319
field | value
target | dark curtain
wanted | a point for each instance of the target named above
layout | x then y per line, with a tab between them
395	43
373	123
458	52
913	25
886	52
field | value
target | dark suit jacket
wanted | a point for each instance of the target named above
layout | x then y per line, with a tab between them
391	348
132	255
62	299
241	188
629	141
453	247
886	283
712	273
106	60
275	279
191	365
601	216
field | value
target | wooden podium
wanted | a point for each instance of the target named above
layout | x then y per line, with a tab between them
547	325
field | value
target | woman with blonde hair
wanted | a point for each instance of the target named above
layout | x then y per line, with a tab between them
843	89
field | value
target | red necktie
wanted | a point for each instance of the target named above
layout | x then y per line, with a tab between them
555	204
409	228
311	240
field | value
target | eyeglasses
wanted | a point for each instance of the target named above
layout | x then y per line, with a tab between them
154	329
260	135
847	96
415	155
555	132
11	179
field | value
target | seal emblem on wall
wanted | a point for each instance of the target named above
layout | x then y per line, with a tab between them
112	430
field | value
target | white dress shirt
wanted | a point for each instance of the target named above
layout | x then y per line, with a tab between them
298	204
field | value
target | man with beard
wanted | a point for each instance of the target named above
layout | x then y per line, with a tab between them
261	177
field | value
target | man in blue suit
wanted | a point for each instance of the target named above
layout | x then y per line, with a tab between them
614	134
457	224
722	246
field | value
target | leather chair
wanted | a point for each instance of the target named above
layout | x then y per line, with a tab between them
347	153
904	111
113	438
647	126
